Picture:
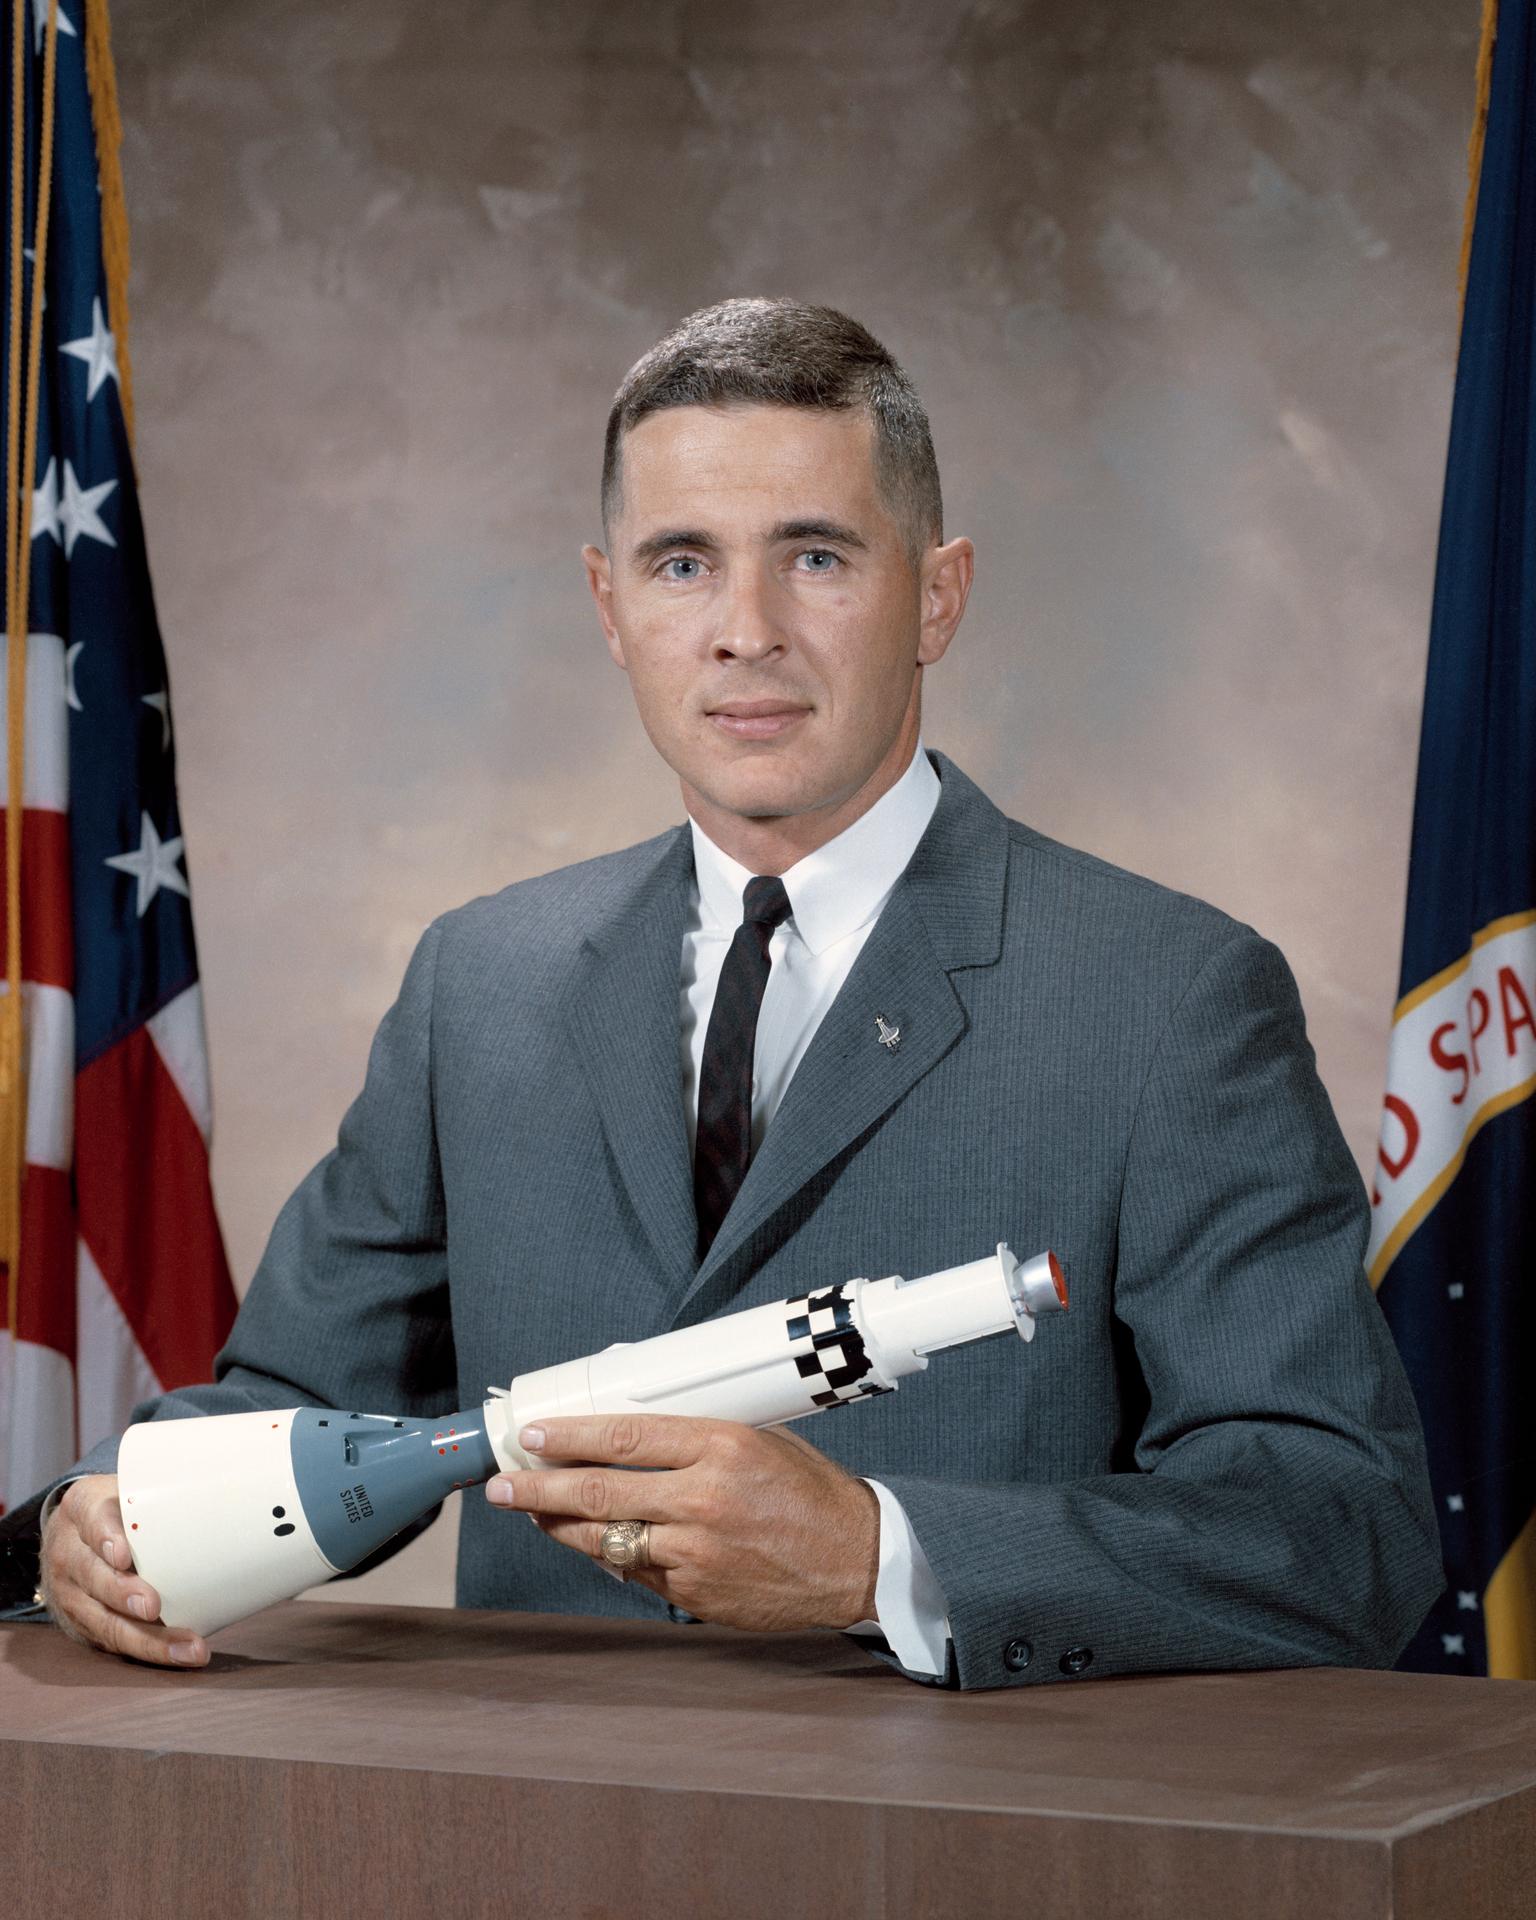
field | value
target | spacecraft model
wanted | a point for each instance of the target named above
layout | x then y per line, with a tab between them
230	1513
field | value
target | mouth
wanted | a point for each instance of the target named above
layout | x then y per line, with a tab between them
755	719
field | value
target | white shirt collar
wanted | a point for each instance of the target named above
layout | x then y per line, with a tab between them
843	884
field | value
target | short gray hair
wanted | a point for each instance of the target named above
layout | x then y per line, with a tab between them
787	353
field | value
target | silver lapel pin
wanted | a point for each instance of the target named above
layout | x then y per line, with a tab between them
889	1036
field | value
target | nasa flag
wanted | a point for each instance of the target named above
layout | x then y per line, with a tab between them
1453	1246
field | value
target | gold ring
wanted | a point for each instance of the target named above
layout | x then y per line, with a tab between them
626	1544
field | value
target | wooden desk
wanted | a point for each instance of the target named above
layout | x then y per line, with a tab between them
344	1760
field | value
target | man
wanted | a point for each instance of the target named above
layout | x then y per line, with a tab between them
850	1019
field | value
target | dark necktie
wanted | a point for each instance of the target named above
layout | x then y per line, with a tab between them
724	1139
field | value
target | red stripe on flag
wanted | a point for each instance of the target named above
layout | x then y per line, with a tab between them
45	1304
47	936
146	1210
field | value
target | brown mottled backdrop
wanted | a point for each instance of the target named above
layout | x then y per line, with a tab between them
1177	281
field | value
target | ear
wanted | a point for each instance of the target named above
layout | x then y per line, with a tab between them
944	585
600	580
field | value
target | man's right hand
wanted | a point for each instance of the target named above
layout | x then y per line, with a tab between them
89	1585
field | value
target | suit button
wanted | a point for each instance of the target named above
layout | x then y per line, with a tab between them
1076	1658
1017	1655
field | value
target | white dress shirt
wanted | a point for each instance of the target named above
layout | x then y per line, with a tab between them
835	898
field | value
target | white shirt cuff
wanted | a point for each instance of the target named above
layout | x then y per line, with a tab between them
909	1603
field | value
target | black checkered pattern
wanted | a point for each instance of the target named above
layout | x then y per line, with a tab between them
828	1347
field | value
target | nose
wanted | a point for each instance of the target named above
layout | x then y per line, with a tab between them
748	625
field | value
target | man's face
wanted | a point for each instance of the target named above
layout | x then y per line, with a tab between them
760	597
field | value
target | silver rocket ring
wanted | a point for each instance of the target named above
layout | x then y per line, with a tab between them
627	1544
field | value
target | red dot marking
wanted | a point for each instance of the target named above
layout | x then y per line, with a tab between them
455	1449
274	1426
442	1449
133	1526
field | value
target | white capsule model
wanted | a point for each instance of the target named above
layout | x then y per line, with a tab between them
230	1513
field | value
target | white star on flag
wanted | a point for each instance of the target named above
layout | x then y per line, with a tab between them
1466	1601
71	697
1454	1503
154	865
1455	1290
40	24
161	702
75	513
98	349
45	504
1453	1642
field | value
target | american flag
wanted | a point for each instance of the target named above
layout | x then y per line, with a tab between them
121	1288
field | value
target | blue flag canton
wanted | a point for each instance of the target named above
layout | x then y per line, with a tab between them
90	586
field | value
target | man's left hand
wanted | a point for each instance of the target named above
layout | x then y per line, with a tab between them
750	1527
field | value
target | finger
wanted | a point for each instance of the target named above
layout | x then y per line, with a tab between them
124	1593
107	1528
161	1646
653	1577
588	1493
93	1603
627	1439
91	1507
586	1536
549	1526
67	1559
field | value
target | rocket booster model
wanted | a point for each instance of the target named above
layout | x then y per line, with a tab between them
230	1513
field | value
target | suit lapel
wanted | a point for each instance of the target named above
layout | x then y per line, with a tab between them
945	912
624	1021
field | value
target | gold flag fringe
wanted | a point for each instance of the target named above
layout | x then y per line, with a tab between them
1490	33
10	1048
20	467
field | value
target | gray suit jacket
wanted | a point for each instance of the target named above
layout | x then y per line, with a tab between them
1211	1461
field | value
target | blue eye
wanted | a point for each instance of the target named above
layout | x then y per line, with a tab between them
820	560
681	560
